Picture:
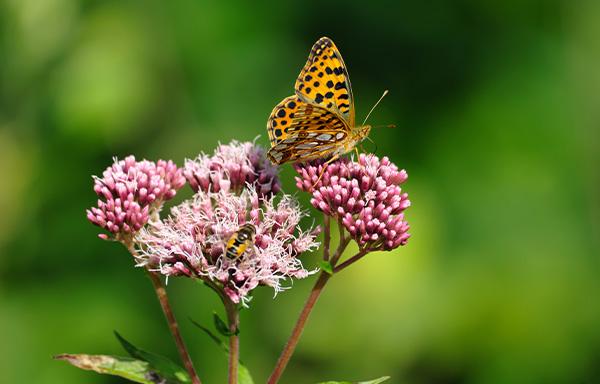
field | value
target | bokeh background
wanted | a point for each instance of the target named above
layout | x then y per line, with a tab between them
498	116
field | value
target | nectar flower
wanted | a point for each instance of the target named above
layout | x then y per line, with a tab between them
231	167
131	192
192	242
364	195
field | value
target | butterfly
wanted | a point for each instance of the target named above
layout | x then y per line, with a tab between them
318	121
240	241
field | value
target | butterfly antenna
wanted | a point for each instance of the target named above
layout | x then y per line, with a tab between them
377	103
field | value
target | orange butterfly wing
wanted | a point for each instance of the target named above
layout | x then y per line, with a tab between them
324	80
317	122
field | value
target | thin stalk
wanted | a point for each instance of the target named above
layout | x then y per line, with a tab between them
350	261
338	253
316	291
233	318
161	293
326	237
290	346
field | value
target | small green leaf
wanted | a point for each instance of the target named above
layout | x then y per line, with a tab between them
375	381
131	369
222	327
166	367
214	337
326	266
244	376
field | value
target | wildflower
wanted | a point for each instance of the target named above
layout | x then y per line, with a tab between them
131	193
192	240
364	196
231	167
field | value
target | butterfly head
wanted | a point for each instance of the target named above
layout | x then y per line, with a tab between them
360	133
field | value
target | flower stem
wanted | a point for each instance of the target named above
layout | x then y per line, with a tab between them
290	346
326	237
161	293
338	253
351	260
233	317
294	338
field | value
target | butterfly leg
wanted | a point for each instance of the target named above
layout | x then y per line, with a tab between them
335	157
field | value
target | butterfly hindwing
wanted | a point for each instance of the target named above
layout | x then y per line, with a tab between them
281	118
324	80
314	132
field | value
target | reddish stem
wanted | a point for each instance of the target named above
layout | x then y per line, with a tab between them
326	237
161	293
350	261
290	346
294	338
233	317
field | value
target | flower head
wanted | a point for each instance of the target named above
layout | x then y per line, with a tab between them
231	167
131	192
192	242
364	195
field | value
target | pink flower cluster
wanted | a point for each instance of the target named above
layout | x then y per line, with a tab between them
231	167
192	241
130	190
364	195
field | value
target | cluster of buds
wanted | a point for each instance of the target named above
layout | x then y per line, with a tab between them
232	168
131	193
364	196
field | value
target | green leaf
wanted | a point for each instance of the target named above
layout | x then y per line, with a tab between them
326	266
375	381
244	376
166	367
214	337
131	369
222	327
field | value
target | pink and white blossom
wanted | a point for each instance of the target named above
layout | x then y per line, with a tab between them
192	240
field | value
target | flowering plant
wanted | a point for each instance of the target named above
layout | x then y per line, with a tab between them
239	232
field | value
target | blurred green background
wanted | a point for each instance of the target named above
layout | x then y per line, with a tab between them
497	111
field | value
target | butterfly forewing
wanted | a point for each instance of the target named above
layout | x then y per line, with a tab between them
324	80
